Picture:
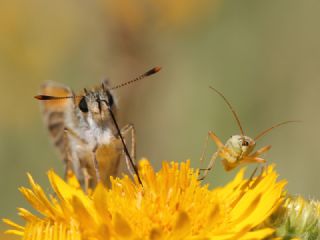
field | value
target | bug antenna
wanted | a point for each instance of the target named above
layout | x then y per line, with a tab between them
48	97
231	108
275	126
146	74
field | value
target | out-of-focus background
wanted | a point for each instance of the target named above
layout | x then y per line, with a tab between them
263	55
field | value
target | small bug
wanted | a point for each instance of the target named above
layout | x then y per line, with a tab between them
238	149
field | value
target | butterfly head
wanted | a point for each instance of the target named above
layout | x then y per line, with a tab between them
96	103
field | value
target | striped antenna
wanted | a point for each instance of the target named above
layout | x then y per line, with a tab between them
146	74
48	97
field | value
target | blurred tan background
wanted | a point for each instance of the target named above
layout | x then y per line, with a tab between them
263	55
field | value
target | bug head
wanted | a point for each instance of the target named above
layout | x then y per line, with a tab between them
241	144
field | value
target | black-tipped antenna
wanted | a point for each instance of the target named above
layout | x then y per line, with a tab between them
231	108
275	126
47	97
146	74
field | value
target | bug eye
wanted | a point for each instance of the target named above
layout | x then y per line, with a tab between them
110	99
83	105
245	143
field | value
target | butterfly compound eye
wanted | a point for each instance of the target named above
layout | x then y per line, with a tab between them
110	99
83	105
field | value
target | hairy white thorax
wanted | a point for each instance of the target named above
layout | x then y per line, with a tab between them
239	146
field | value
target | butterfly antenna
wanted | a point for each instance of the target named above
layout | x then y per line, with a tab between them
275	126
48	97
125	148
146	74
231	108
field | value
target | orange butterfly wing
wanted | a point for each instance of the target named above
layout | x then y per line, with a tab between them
54	114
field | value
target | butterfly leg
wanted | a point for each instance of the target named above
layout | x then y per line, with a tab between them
84	142
129	129
67	156
74	135
68	165
87	178
95	163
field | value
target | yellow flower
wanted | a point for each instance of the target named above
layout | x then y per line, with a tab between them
171	204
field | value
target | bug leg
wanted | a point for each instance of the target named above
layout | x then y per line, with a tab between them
247	184
129	129
250	159
214	156
216	139
210	166
257	180
252	174
260	151
204	150
253	158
